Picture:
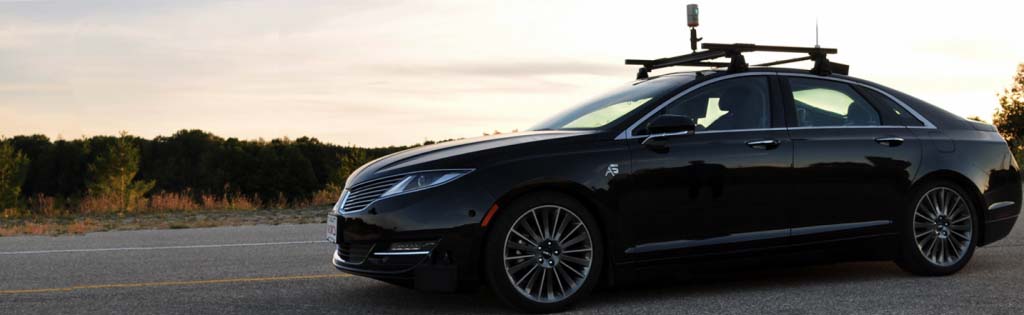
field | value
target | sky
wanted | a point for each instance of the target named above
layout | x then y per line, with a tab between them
375	73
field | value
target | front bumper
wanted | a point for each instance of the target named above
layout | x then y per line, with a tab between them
448	215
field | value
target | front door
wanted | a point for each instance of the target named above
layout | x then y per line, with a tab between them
719	188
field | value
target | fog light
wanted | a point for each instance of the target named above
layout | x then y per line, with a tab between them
412	246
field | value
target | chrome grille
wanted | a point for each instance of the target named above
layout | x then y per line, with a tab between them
362	195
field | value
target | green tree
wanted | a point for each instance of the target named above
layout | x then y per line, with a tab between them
1009	117
352	159
13	170
113	175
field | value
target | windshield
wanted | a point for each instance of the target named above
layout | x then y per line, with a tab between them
605	109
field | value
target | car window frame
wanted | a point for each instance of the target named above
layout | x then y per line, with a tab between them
791	106
775	119
785	111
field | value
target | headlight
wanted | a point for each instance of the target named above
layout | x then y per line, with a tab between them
424	180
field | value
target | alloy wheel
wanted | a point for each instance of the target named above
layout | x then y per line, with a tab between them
548	253
943	227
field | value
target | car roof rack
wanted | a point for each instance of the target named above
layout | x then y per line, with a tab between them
737	63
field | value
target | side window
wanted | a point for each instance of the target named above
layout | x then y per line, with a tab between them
827	103
886	103
741	103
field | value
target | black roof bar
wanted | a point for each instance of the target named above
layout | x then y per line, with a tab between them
752	47
737	62
784	61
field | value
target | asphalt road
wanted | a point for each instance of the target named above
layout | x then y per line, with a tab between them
286	269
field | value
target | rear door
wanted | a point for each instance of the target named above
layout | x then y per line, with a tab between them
853	159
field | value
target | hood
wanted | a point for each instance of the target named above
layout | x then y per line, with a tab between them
412	159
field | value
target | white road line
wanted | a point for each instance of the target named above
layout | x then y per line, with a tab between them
87	250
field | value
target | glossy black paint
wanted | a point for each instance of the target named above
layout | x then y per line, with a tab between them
703	196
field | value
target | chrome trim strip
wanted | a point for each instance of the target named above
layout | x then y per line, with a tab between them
808	230
419	252
732	238
848	127
628	133
927	124
1001	204
665	134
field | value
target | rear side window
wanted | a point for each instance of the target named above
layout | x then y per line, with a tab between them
885	103
828	103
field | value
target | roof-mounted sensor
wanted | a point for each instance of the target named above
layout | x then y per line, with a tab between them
737	62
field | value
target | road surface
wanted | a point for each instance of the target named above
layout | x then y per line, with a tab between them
286	269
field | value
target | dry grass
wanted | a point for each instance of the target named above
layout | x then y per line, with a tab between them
227	202
45	215
326	196
166	202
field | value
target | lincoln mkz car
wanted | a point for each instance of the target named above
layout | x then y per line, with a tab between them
681	169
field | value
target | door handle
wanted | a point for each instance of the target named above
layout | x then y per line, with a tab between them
889	141
767	144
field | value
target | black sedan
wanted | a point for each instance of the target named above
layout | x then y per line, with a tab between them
679	170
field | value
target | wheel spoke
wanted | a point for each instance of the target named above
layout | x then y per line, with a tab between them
523	237
520	247
539	228
545	225
958	234
955	208
528	273
573	270
567	235
576	260
554	224
576	251
575	240
521	266
961	219
558	280
956	250
529	230
919	215
519	257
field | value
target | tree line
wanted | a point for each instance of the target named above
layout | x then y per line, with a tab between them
127	173
195	169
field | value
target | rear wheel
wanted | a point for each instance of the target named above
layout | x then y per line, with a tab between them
544	253
939	230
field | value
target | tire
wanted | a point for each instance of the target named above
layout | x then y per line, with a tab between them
934	237
571	253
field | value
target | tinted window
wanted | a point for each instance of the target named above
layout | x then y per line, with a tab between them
605	109
741	103
828	103
885	103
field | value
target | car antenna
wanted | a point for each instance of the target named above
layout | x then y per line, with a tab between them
737	62
816	33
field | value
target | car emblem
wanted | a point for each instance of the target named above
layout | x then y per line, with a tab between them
613	169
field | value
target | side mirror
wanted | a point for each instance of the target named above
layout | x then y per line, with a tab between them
671	124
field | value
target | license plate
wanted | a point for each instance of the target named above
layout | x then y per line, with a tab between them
332	228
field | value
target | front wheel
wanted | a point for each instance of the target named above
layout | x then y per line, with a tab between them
939	232
544	253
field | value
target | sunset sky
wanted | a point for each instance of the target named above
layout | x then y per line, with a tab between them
400	72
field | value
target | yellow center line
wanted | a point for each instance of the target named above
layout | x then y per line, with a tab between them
174	283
